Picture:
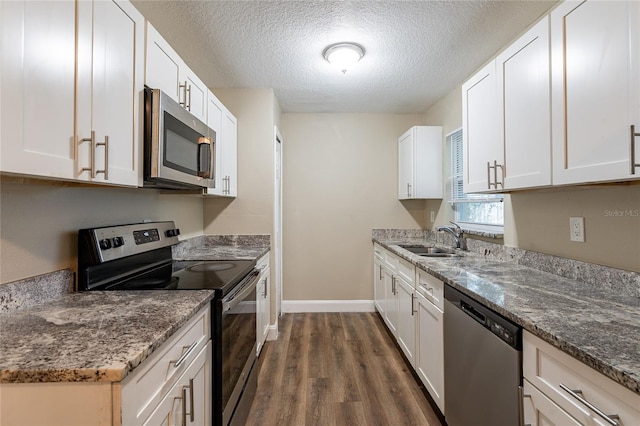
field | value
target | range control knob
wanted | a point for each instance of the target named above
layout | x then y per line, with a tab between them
118	241
105	244
172	232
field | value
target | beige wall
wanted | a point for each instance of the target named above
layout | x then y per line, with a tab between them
252	211
340	181
539	220
39	220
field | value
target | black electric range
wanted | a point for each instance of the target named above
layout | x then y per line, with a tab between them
138	257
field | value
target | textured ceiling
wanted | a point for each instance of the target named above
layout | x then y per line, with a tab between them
416	51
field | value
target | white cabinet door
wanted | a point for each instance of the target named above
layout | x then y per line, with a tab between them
378	283
429	349
110	84
189	400
230	150
405	166
541	411
262	308
195	93
524	100
225	124
390	301
406	330
420	163
162	64
37	91
165	70
595	90
482	145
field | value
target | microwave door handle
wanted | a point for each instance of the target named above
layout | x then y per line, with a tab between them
202	144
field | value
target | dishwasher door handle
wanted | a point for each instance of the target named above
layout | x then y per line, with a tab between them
472	312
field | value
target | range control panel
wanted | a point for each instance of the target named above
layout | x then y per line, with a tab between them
115	242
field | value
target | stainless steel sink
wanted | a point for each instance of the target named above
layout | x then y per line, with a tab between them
430	251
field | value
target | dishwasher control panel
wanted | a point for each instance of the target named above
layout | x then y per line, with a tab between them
502	332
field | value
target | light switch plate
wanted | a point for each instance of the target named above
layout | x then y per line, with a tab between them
576	229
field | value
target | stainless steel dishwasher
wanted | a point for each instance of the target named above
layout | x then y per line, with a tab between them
482	364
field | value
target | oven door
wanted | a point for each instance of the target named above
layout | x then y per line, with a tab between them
238	344
179	148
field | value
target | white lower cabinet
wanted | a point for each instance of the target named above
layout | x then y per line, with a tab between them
410	301
406	330
561	390
263	308
429	336
378	279
187	402
541	411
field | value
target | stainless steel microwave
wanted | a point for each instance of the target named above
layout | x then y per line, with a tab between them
179	149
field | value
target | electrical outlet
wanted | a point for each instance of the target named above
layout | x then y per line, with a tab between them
576	229
432	216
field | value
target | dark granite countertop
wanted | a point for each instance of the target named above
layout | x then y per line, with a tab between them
91	336
594	325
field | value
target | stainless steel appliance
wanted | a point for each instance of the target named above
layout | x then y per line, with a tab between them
138	257
482	364
179	149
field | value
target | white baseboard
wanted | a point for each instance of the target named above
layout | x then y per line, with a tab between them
293	306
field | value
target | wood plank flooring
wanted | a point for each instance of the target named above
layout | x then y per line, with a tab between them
337	369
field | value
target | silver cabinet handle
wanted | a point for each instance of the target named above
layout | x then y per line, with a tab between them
633	150
184	94
609	418
92	168
393	285
408	190
189	92
191	403
381	272
495	174
413	299
106	157
264	294
185	355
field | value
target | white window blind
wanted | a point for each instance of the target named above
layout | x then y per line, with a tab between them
475	209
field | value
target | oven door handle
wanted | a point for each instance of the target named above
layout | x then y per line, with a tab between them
246	287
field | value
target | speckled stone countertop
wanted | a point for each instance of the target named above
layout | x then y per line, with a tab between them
58	336
91	336
599	327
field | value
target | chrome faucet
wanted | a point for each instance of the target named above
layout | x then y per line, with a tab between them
457	233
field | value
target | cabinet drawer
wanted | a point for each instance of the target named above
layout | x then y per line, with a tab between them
146	386
540	410
407	271
431	288
547	368
378	252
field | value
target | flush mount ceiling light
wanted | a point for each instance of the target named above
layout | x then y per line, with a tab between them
343	55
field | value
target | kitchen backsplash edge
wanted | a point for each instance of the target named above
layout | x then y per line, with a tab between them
598	276
31	291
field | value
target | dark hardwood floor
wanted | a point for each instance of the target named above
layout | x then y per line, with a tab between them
338	369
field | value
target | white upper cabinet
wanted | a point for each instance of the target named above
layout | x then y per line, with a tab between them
37	91
524	105
165	70
506	118
53	104
482	145
595	88
420	163
110	83
225	125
